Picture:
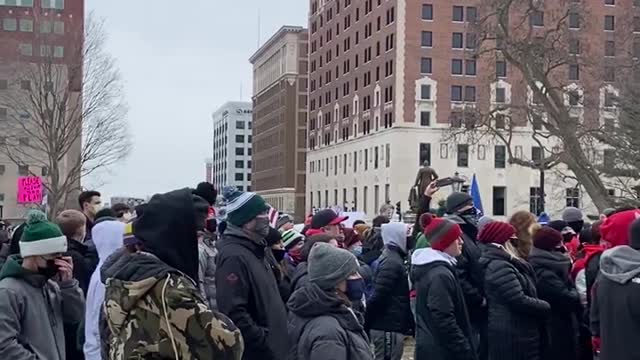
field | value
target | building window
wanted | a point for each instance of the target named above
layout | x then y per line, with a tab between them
500	95
501	68
425	118
425	92
535	205
456	40
355	199
609	48
536	18
574	98
425	153
609	23
387	155
375	157
574	20
240	138
25	49
574	72
456	93
609	99
10	24
427	39
573	197
239	164
463	155
53	4
3	116
58	52
499	197
609	159
23	170
609	2
58	27
500	160
472	14
355	162
239	177
23	141
427	12
574	46
425	65
3	168
239	151
470	67
609	74
239	124
536	154
26	25
456	67
458	13
470	93
501	121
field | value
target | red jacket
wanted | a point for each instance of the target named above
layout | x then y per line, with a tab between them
589	251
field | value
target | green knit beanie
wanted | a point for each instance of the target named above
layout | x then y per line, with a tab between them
243	207
41	237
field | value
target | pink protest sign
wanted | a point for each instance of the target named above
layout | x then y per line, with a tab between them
29	189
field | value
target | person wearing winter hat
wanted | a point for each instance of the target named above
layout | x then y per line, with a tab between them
526	225
301	274
554	286
616	294
322	323
483	221
36	285
284	223
293	243
460	210
575	219
207	191
327	221
516	314
247	293
443	328
388	313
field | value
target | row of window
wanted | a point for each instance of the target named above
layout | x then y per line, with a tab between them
26	49
240	177
316	201
24	170
457	40
24	85
46	4
367	159
26	25
458	13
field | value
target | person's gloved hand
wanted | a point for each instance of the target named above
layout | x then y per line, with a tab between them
595	343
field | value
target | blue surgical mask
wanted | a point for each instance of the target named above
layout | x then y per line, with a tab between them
355	289
356	250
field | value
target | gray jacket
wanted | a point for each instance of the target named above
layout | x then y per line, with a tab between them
207	253
32	313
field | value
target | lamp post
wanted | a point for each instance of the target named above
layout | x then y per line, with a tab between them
457	182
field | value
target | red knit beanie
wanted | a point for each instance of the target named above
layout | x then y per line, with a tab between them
439	232
497	232
547	238
615	229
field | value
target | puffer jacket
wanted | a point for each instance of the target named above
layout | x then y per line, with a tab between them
517	318
323	327
388	308
555	287
443	327
207	253
154	311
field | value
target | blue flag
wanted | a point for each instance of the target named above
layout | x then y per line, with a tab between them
475	194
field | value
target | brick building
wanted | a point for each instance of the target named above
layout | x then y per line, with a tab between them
280	69
33	32
390	78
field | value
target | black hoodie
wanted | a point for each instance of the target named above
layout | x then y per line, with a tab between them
322	326
168	229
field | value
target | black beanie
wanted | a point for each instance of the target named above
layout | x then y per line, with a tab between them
457	201
206	191
634	234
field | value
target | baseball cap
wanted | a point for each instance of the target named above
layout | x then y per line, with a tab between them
326	217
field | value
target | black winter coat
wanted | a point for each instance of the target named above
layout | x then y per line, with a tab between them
300	276
388	309
470	272
554	286
516	328
247	292
85	262
443	329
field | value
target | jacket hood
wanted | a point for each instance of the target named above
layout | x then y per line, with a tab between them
556	261
107	237
591	250
13	269
168	229
423	260
395	234
620	264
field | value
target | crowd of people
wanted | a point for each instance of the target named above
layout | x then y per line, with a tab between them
170	280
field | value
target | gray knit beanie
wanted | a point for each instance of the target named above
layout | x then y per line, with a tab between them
329	265
572	214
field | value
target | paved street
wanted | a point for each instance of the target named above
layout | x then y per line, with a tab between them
409	347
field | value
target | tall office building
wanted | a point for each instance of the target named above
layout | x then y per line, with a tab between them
390	78
33	33
231	164
280	73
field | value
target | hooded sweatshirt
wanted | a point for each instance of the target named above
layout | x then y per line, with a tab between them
153	308
615	315
322	326
107	237
33	312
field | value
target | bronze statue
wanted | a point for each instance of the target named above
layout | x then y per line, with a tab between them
426	175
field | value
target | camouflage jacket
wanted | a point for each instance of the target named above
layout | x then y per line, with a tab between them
155	312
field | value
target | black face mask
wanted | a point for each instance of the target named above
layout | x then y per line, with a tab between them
411	243
470	216
278	254
50	270
211	225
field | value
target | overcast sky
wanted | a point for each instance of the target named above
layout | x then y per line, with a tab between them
180	60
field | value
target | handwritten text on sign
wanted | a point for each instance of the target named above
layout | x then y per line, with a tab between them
29	189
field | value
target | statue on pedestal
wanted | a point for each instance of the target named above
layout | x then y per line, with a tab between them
426	175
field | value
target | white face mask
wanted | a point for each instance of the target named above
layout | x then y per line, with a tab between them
96	208
127	216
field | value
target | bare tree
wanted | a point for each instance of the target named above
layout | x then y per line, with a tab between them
556	98
66	113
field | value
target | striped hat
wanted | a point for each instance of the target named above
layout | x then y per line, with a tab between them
41	237
497	232
290	238
440	232
243	207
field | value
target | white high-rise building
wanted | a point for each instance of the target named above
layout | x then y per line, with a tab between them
232	145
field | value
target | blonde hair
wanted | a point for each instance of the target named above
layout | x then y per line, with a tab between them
512	250
524	222
70	222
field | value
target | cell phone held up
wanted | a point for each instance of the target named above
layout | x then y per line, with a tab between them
444	182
